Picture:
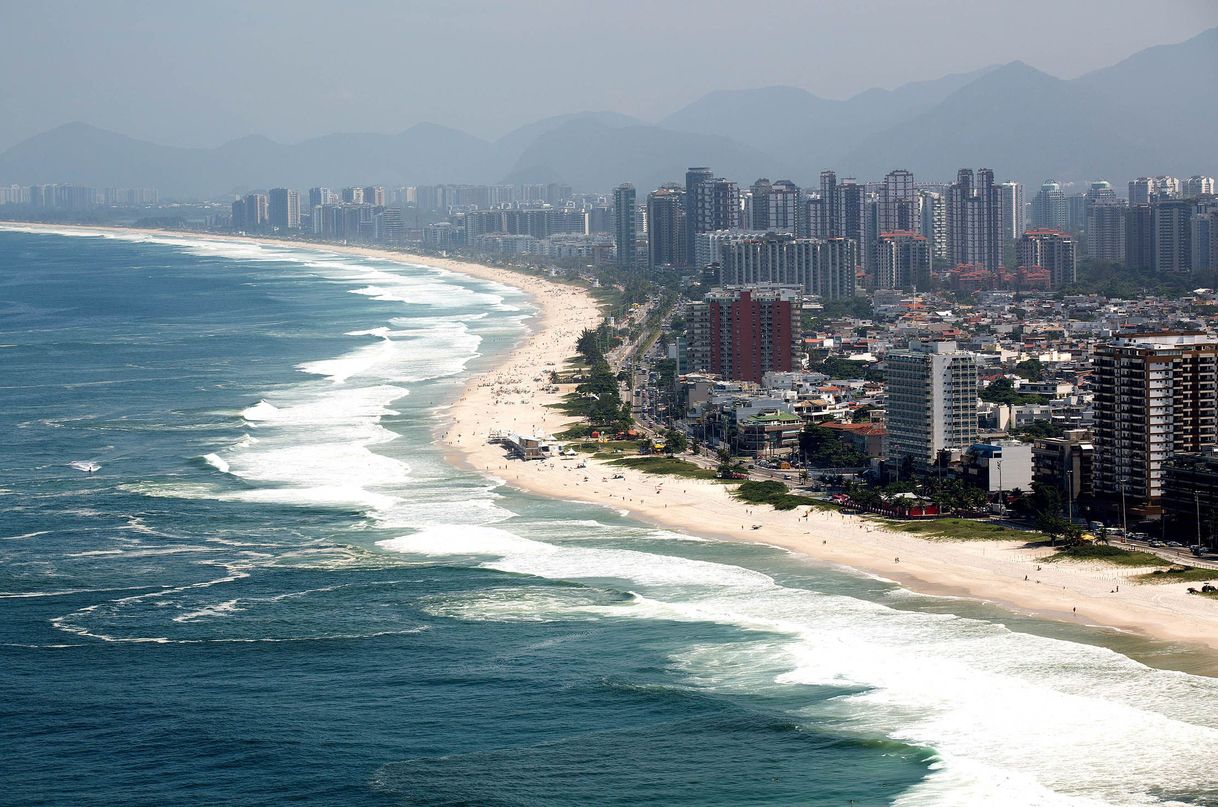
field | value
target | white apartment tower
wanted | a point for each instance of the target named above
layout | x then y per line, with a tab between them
932	403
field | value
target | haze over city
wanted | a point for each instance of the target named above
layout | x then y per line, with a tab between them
201	74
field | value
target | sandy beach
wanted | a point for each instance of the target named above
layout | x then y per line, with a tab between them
512	397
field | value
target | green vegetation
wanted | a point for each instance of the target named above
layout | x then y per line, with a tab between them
597	398
1105	554
961	529
1178	574
837	367
853	308
1038	429
825	448
1030	370
777	496
1002	391
1129	283
862	414
668	466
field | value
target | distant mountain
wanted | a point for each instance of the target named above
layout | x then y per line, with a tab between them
84	154
1155	112
1021	122
590	154
812	131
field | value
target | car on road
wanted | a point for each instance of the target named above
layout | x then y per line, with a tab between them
1175	544
1156	544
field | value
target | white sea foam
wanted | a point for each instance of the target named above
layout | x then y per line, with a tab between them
1016	719
217	462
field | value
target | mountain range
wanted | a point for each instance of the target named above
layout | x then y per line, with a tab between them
1154	112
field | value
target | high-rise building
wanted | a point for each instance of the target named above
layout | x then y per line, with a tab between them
1049	209
851	211
1050	249
283	208
934	222
898	203
624	225
1164	189
238	217
1010	211
320	196
666	227
824	268
974	234
374	195
1106	232
1140	191
1139	237
760	205
743	333
1172	233
1154	397
1205	240
932	404
353	196
694	177
784	203
256	213
1197	185
828	196
715	205
902	261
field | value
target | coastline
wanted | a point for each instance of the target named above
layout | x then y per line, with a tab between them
506	397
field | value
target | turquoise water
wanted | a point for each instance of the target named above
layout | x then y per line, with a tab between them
272	589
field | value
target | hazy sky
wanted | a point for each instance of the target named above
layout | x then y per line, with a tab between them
205	71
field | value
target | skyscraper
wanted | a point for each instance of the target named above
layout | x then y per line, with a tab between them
1049	210
256	214
760	218
828	195
693	178
932	403
973	229
1052	250
374	195
623	225
666	227
934	222
1140	191
1106	232
902	261
898	203
283	208
851	211
1197	185
1010	211
784	198
1139	237
715	205
1172	234
1154	397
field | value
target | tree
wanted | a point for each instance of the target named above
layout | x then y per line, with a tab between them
1002	391
1030	370
675	442
825	448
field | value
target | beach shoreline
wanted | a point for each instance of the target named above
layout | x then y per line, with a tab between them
512	396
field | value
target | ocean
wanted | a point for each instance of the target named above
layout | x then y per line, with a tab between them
236	569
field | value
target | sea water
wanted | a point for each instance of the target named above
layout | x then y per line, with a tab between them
236	569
